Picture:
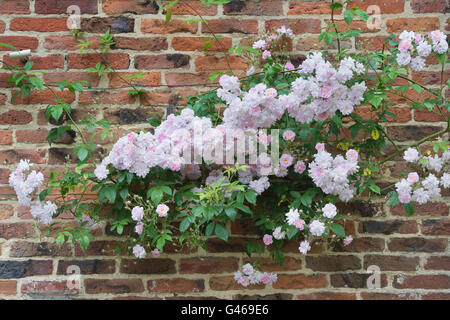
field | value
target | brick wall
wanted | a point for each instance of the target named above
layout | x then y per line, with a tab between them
412	252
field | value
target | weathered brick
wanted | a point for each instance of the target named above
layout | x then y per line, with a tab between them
128	116
34	249
121	79
386	6
438	263
211	63
268	265
274	296
437	281
60	6
53	61
160	26
409	132
417	244
5	137
412	24
436	226
327	296
129	6
260	8
207	265
38	24
147	266
94	266
428	209
198	44
89	60
94	286
231	26
298	26
428	6
392	263
20	269
353	280
20	42
317	7
228	283
388	227
14	156
333	263
300	281
6	211
141	44
188	7
101	25
162	61
176	285
8	287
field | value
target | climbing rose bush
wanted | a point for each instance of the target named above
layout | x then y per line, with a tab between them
268	148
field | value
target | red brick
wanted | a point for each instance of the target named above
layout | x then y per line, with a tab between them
207	265
268	265
20	249
198	43
300	281
53	61
431	77
4	175
20	42
298	26
333	263
15	155
15	7
389	296
176	285
68	43
89	60
260	8
403	113
141	44
211	63
417	244
120	79
413	24
147	266
5	137
386	6
162	61
91	266
438	263
428	209
114	24
422	282
188	7
6	211
92	78
2	26
38	24
319	7
355	24
231	26
31	136
428	6
173	78
47	287
354	280
116	97
228	283
362	244
388	227
94	286
60	6
160	26
392	263
45	97
129	6
327	296
8	287
436	226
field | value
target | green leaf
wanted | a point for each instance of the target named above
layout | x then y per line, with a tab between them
375	188
221	232
231	213
124	193
348	16
209	229
250	196
338	229
82	154
185	223
110	193
409	208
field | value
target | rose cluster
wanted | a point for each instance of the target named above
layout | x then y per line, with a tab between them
249	276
